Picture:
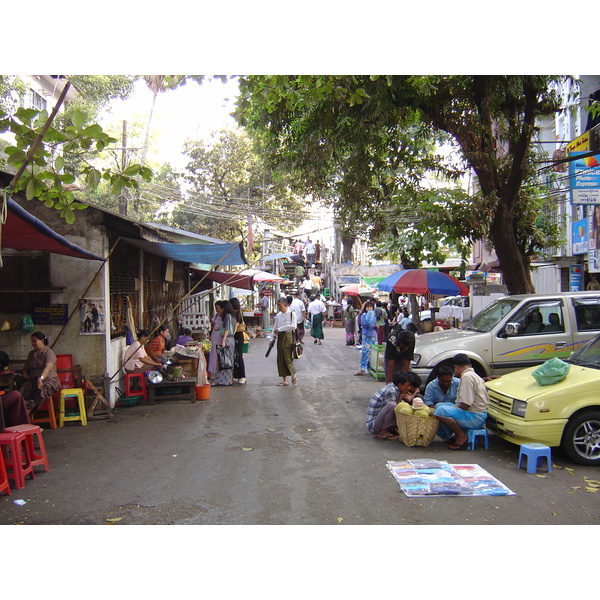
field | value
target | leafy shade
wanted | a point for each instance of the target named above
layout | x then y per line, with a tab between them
227	185
45	178
337	133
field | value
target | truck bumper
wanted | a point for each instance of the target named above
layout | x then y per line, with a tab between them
519	431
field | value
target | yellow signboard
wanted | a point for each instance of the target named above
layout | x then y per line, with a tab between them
579	144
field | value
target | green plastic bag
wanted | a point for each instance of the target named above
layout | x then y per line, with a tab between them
26	323
551	372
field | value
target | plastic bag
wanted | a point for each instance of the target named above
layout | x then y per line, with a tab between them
26	323
551	372
225	357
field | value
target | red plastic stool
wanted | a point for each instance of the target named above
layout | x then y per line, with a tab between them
4	485
40	416
35	443
16	457
141	387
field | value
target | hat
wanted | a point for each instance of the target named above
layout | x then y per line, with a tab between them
418	403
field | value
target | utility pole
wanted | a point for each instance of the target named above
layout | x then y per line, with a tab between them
123	194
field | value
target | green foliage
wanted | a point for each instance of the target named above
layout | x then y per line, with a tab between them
367	144
12	88
95	92
45	178
226	184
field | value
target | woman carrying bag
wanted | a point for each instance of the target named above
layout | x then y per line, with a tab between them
225	349
283	327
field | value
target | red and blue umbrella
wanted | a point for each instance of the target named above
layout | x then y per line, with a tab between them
423	281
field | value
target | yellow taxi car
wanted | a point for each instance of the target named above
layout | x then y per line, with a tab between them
565	414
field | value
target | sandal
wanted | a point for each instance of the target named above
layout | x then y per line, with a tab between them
458	446
282	384
294	380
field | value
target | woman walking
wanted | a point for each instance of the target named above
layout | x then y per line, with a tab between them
283	326
239	368
369	337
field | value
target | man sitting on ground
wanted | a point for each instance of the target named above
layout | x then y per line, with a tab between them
380	412
469	410
443	388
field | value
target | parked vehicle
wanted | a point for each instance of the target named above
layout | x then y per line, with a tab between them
345	280
514	332
462	301
565	414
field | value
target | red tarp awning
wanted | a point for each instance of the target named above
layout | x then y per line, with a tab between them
23	231
231	279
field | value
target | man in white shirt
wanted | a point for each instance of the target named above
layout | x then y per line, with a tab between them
307	285
317	310
469	410
309	248
298	307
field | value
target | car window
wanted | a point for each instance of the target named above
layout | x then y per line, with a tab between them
588	355
587	313
491	315
540	318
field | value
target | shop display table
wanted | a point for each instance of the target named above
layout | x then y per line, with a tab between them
253	318
184	389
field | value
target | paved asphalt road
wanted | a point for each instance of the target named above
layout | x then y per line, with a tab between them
261	454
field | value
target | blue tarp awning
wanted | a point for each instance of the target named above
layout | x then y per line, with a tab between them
23	231
207	254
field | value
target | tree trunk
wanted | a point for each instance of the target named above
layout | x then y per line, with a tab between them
515	266
347	243
415	311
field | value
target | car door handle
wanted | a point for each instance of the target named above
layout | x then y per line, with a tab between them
560	344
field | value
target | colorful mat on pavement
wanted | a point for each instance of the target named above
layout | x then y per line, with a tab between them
427	477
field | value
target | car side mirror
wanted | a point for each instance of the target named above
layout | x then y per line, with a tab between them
511	329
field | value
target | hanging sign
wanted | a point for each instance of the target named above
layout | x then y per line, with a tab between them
50	314
584	179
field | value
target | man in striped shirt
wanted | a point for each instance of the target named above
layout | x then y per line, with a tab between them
380	412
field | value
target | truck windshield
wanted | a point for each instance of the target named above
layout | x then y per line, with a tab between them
491	315
588	355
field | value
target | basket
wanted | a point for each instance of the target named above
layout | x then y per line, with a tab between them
127	400
416	431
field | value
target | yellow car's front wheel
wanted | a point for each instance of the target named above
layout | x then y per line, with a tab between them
581	438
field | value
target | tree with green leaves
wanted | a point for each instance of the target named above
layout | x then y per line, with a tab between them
38	155
327	127
227	184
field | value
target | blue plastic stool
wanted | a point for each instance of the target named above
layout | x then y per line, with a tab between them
474	434
534	452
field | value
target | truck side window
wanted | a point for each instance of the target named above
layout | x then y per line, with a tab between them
587	316
536	318
554	323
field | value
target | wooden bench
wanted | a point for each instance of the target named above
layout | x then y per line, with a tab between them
185	389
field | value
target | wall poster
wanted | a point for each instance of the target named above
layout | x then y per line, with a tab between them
92	318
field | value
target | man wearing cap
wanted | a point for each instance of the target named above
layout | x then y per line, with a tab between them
469	410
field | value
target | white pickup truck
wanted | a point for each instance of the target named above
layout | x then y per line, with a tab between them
514	332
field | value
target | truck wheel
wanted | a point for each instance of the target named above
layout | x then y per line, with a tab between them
434	371
581	438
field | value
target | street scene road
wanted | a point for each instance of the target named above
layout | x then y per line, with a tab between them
267	455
